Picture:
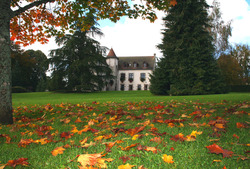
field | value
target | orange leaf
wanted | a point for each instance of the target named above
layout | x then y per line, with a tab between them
156	139
134	131
173	3
25	142
78	120
153	149
57	150
167	158
128	147
178	137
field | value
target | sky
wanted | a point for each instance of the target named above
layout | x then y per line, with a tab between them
138	37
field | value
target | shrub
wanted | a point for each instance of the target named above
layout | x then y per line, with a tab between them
19	89
240	88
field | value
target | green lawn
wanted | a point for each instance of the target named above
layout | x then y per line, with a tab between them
135	128
117	96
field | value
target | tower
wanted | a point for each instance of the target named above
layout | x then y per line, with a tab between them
112	61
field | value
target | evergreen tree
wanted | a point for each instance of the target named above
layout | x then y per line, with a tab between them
79	64
188	66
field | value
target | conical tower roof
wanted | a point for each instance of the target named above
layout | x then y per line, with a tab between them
111	54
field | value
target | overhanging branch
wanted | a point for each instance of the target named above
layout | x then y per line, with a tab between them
31	5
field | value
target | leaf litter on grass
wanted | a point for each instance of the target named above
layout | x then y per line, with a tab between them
126	130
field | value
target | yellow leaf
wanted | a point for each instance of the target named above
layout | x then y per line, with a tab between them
88	159
167	158
88	144
194	133
83	141
99	138
216	160
2	167
126	166
135	137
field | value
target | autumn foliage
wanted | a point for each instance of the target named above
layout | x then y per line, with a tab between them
39	20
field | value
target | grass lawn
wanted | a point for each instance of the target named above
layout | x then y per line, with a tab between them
127	130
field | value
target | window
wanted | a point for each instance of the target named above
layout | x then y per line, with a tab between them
125	64
135	65
139	87
122	87
122	77
145	87
143	77
131	77
130	87
145	64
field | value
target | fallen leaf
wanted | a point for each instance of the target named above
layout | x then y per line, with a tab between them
128	147
21	161
171	149
167	158
214	148
156	139
57	150
178	137
153	149
235	136
25	142
88	144
66	135
78	120
88	159
135	130
126	166
241	125
125	158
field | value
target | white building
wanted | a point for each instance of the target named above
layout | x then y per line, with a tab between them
131	73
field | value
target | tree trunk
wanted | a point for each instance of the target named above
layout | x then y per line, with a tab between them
5	64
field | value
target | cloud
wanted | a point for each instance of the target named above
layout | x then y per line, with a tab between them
239	13
134	37
131	37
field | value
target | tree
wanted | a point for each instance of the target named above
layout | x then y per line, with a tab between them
188	66
231	70
242	54
28	68
27	21
219	30
39	69
79	63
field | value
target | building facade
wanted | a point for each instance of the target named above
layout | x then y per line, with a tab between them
131	73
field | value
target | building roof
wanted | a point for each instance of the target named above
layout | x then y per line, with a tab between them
111	54
136	63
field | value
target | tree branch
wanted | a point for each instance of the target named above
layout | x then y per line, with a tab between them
31	5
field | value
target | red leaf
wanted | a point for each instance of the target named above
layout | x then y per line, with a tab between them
66	135
214	148
125	158
20	161
171	149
